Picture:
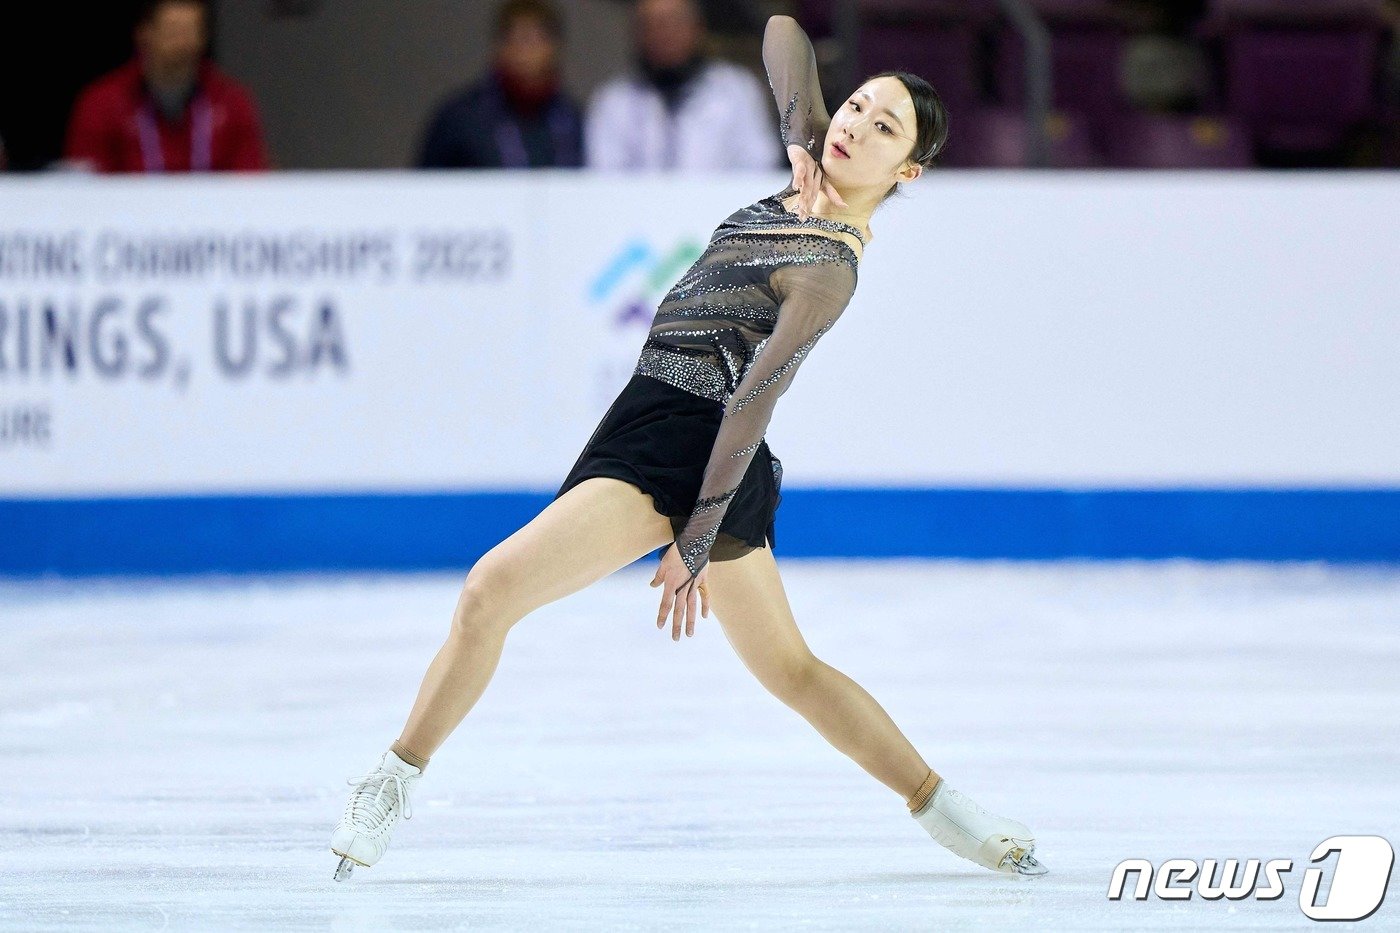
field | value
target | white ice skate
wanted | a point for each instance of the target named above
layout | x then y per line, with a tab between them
372	811
971	832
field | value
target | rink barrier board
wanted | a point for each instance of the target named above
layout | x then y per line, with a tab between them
316	332
262	533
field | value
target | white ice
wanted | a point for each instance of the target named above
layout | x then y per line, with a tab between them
174	753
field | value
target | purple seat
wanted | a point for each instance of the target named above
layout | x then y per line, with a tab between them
982	10
1087	40
1304	90
814	17
1301	74
1079	11
1297	12
818	17
1151	140
995	137
945	56
939	40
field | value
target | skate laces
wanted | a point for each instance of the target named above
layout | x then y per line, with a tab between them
370	799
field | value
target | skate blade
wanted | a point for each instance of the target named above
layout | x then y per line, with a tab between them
346	866
1023	862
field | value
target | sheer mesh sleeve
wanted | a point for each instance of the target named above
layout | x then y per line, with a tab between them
792	74
812	296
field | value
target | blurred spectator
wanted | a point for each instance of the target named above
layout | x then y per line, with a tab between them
169	109
516	116
680	108
1165	73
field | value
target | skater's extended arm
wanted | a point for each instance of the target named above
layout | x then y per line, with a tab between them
812	296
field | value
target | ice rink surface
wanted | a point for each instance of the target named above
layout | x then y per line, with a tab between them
175	753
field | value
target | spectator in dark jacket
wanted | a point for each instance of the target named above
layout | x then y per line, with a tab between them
168	109
516	116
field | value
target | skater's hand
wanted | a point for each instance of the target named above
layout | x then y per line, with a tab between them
808	177
679	593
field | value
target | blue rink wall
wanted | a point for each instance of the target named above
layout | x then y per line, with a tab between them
394	370
256	534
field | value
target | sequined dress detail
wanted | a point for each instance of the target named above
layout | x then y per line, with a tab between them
740	321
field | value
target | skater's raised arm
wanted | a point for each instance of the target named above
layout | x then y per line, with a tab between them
792	74
812	297
802	117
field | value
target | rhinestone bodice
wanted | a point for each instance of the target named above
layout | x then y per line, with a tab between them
714	321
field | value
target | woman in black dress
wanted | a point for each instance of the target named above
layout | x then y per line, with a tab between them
680	458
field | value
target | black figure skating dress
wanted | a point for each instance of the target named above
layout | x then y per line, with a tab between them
689	426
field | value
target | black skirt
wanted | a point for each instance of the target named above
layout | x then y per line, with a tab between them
659	438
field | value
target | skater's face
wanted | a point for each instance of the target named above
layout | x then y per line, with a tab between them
876	128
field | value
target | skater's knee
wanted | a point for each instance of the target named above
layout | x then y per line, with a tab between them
485	604
790	678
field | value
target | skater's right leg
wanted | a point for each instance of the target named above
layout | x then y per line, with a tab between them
594	529
597	527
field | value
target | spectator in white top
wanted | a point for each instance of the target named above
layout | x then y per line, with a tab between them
680	108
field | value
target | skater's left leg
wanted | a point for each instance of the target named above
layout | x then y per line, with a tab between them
747	596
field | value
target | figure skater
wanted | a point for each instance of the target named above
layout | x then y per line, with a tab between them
680	458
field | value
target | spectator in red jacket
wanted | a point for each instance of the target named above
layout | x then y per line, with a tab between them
168	109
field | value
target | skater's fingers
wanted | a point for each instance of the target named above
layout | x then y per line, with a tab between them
812	198
803	184
690	611
705	601
808	197
799	158
666	598
676	616
815	188
832	193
